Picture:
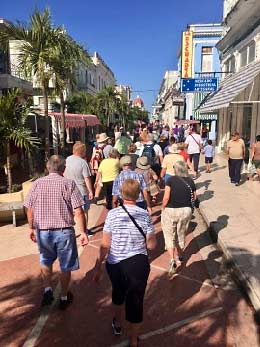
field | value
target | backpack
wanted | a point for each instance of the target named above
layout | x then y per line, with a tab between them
97	158
149	153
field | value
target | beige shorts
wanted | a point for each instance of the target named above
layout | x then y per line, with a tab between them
175	223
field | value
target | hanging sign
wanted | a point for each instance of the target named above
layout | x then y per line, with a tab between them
187	52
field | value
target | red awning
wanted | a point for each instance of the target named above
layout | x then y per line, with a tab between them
75	120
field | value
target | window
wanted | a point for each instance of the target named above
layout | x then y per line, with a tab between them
231	64
247	54
86	76
243	57
251	53
206	59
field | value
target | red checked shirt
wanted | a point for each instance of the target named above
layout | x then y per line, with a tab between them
53	199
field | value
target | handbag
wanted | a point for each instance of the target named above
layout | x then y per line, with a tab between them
134	221
194	202
153	188
197	143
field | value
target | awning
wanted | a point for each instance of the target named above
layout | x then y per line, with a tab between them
186	121
75	120
229	88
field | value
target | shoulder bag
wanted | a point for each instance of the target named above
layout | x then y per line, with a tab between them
194	203
133	220
196	142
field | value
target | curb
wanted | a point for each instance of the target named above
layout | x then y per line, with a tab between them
240	277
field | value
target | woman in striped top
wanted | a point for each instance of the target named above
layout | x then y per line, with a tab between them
124	245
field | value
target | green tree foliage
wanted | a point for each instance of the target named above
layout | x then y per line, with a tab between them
13	129
39	42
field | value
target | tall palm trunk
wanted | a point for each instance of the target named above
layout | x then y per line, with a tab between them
63	122
47	124
8	167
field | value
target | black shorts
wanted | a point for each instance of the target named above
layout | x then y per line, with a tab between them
129	279
208	160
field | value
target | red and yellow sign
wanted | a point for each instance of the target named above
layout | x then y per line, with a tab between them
186	59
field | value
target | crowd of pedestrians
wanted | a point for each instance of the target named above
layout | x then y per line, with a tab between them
131	171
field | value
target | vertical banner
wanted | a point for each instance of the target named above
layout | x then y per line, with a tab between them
186	58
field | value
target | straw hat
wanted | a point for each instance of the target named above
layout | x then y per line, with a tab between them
102	138
126	160
142	163
173	149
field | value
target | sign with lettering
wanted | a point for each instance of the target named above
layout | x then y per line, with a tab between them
199	85
187	52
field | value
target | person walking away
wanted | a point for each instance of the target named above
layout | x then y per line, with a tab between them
51	205
132	152
168	162
122	143
255	155
77	169
209	153
153	152
235	155
176	132
117	133
100	152
181	133
204	135
128	234
150	177
171	142
194	144
107	172
177	205
183	152
143	200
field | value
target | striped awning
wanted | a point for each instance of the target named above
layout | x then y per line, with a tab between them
75	120
229	88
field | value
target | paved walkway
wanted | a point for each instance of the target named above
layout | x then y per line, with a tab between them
198	306
233	213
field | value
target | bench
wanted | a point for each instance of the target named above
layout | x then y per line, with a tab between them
12	206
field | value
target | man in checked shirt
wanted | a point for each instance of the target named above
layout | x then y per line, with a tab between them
52	203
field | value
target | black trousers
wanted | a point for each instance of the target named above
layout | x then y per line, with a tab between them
108	193
234	168
129	279
195	159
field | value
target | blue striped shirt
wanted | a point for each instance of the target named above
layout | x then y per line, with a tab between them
127	174
126	239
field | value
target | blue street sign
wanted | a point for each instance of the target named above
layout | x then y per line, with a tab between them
199	85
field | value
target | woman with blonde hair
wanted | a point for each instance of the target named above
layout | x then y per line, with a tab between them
177	206
128	233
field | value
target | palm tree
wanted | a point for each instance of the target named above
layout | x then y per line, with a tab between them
13	129
107	102
63	64
39	42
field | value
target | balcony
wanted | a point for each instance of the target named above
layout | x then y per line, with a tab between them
240	21
14	79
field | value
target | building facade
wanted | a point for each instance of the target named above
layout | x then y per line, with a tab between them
10	76
169	104
205	63
237	100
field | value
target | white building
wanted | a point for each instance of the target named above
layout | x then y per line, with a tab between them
10	76
237	100
125	91
169	103
93	77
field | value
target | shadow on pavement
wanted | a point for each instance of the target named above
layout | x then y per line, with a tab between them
207	195
205	184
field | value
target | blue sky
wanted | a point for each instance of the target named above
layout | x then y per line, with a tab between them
139	40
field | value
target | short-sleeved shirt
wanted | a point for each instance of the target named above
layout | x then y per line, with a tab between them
77	169
53	199
180	192
126	239
157	149
194	142
109	169
122	144
169	160
209	151
128	174
236	149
